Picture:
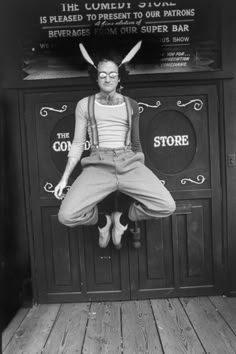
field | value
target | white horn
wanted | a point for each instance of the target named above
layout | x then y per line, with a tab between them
86	55
131	53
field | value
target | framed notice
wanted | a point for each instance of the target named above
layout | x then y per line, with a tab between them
177	36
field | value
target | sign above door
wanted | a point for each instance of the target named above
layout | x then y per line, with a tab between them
178	36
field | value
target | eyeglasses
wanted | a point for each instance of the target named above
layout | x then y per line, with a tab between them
112	75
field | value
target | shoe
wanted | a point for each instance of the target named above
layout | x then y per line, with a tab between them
118	229
104	233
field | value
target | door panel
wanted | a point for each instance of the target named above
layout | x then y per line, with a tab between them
69	264
179	134
61	254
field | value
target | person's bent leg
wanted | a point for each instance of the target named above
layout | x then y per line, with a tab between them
80	204
153	200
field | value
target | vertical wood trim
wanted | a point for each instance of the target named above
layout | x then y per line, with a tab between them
28	200
133	269
216	215
82	262
175	250
36	232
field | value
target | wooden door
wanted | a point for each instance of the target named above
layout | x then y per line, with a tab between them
182	254
68	264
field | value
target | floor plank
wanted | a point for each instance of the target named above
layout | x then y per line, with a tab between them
139	329
176	332
12	327
67	335
170	326
104	329
227	308
32	334
214	333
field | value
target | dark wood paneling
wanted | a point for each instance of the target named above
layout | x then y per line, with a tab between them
176	253
61	254
195	246
104	267
179	255
182	254
76	267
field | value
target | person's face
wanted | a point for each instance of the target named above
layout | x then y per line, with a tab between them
108	76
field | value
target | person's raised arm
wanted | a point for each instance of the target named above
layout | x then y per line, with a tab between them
76	149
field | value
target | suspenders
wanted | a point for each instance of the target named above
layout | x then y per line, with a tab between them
93	125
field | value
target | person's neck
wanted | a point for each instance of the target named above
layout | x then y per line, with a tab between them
111	98
107	96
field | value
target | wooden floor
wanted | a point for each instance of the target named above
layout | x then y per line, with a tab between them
186	325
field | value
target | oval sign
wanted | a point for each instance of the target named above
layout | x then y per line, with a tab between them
171	142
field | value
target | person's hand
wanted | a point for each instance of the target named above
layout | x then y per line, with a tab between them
58	191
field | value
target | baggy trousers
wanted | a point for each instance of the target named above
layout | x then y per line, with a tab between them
109	170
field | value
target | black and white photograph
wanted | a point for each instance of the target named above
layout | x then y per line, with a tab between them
118	177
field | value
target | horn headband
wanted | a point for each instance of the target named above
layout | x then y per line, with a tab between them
126	59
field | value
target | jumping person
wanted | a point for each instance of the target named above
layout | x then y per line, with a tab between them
116	161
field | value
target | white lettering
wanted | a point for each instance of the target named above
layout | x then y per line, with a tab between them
185	140
65	19
171	140
69	33
152	14
180	28
61	146
129	29
107	31
107	6
66	145
154	29
63	135
156	141
70	7
87	145
180	13
180	39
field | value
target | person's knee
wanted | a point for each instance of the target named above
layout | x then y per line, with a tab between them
65	218
171	206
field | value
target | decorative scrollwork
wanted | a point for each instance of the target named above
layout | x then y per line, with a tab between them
200	180
198	104
141	109
49	188
44	110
